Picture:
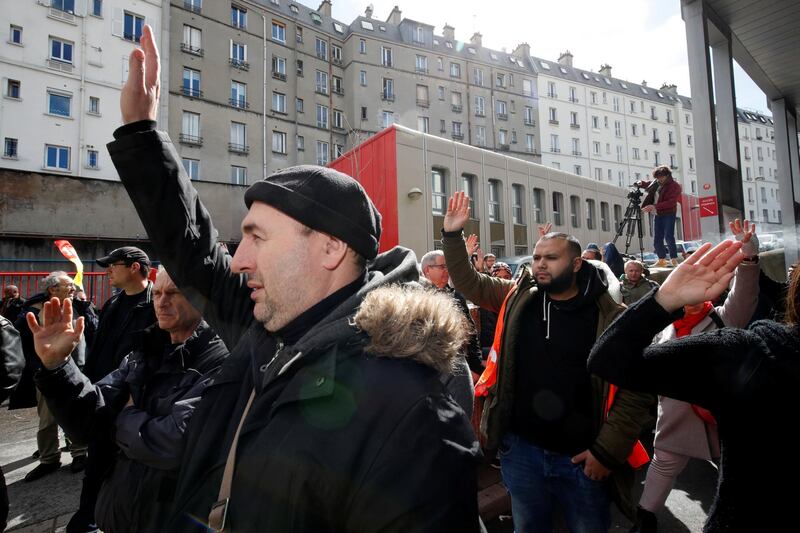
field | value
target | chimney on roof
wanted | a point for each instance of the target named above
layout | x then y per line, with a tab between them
449	32
644	83
476	39
670	88
565	59
395	16
324	8
605	70
368	11
522	51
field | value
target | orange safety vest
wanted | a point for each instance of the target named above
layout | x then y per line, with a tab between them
638	456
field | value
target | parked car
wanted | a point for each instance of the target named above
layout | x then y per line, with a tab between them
516	263
769	241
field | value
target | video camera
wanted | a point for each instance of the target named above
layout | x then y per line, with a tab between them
635	193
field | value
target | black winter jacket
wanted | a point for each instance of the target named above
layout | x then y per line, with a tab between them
164	381
12	360
339	441
748	379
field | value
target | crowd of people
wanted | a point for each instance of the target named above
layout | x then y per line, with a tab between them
361	391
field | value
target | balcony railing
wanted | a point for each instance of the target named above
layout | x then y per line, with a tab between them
190	91
577	152
480	113
238	148
338	90
502	116
387	96
553	121
555	150
456	108
185	138
239	63
423	102
504	147
656	141
573	100
672	143
574	125
421	70
529	122
337	60
191	49
240	103
458	136
66	16
279	75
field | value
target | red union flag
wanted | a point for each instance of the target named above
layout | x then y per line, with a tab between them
708	206
68	251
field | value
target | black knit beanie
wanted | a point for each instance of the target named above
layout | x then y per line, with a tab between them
325	200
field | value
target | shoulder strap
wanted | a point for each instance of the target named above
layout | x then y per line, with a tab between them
716	319
219	511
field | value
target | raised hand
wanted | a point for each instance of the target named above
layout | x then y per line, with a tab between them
457	212
702	277
746	233
544	230
55	339
140	94
472	244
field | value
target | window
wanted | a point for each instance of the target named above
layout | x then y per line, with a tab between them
494	201
10	146
500	80
558	208
56	157
97	8
656	158
529	143
191	82
528	116
192	168
278	102
362	46
455	70
238	94
575	211
440	92
336	53
63	5
363	78
573	119
591	215
480	106
421	64
279	67
480	135
387	119
419	35
92	159
598	173
59	104
322	82
15	34
618	128
619	154
422	96
94	105
501	109
527	87
278	32
238	17
338	119
387	89
298	105
595	122
502	137
338	85
238	54
238	175
617	216
238	142
60	50
190	127
386	56
132	27
13	89
554	145
192	40
364	113
603	216
438	192
321	48
552	115
423	124
477	76
551	89
615	104
518	204
322	116
301	143
596	148
193	5
457	130
279	142
298	34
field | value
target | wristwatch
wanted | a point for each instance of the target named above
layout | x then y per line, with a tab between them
751	260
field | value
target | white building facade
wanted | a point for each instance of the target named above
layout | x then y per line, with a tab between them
63	63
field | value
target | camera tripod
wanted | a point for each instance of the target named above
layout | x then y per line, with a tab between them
632	222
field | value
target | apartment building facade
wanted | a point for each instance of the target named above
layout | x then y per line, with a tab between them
759	169
63	63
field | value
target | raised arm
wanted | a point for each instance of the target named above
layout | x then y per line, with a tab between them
742	299
175	219
482	290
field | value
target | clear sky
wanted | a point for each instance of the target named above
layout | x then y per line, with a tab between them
640	39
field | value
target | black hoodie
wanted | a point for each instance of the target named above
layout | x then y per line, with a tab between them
553	408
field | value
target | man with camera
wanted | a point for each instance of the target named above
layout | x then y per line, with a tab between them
663	194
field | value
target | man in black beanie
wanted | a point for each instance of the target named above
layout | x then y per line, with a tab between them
306	428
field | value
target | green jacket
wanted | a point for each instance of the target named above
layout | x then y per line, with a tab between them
633	293
615	436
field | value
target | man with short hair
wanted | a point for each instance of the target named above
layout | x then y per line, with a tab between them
129	310
634	283
663	195
59	285
314	423
146	403
11	305
560	441
488	262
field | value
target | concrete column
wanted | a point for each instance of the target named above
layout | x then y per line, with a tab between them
724	91
788	174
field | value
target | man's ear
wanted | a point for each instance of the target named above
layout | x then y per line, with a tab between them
335	251
577	263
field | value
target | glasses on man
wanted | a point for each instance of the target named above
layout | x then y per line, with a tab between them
443	267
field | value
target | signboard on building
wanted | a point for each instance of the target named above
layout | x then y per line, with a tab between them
708	206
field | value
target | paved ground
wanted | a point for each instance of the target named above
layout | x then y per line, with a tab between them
44	506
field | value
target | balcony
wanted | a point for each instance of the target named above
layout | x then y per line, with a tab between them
279	75
574	125
456	108
192	6
59	65
656	141
337	60
553	122
458	136
502	116
189	49
480	113
423	102
555	150
322	90
387	96
573	100
66	16
552	95
421	70
239	103
503	147
759	137
191	92
238	148
529	122
577	152
239	64
193	140
338	90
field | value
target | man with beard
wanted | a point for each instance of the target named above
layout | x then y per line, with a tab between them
560	441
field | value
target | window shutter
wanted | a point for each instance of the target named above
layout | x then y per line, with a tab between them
118	22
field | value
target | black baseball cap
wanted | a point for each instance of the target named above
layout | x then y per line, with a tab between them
128	254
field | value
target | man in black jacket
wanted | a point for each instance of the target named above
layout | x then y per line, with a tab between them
145	404
127	312
318	425
12	361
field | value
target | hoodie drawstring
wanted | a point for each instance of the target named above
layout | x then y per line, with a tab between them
546	314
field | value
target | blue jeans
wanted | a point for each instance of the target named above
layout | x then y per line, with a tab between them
664	227
538	479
